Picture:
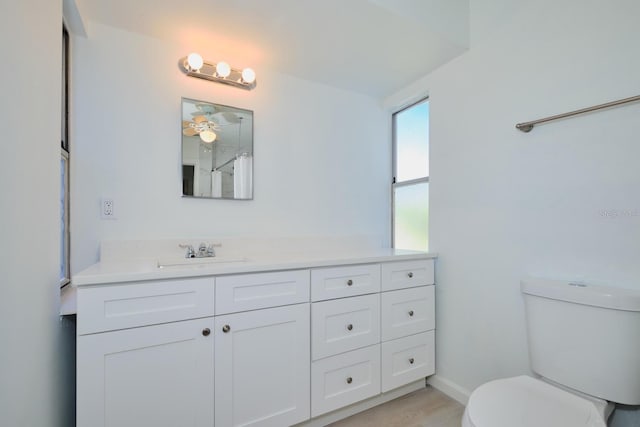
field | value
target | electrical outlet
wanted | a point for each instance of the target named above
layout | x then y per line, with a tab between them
106	209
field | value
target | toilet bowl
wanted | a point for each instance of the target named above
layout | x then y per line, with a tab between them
529	402
582	343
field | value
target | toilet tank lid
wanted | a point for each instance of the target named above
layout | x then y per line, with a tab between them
581	293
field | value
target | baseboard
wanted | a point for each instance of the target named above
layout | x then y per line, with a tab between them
449	388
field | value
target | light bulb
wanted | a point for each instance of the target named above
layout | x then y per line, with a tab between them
223	69
195	61
248	75
208	136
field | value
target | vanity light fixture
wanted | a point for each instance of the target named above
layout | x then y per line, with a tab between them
193	65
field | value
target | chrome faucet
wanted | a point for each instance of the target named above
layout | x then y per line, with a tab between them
204	251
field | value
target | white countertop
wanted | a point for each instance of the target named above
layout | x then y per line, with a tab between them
140	270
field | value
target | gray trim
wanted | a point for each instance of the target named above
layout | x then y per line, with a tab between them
67	222
410	182
64	151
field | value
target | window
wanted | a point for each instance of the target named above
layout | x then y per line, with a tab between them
411	177
64	164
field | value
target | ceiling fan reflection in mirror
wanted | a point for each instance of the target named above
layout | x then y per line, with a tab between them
201	126
203	123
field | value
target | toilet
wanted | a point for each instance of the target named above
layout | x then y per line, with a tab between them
584	347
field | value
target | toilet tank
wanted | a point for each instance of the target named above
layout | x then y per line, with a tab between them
585	337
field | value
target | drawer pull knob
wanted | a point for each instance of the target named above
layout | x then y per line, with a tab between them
206	332
349	282
226	328
349	326
410	313
410	275
411	361
349	380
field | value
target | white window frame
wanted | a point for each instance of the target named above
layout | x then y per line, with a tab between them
394	182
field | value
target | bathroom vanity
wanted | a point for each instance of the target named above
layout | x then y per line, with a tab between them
275	341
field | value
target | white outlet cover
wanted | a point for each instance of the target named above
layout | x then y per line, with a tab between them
107	210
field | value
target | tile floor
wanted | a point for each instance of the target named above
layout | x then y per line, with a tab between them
423	408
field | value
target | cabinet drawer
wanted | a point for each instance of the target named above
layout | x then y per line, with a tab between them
407	312
407	359
106	308
407	274
344	379
344	324
245	292
338	282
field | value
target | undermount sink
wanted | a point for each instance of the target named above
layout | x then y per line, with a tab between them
182	262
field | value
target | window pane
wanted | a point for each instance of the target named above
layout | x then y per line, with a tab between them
412	142
411	210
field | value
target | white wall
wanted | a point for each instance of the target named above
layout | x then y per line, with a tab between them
321	154
506	204
36	387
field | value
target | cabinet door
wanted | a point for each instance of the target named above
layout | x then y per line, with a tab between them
159	376
262	365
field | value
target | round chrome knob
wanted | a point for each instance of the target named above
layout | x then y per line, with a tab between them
349	326
410	313
206	332
411	361
226	328
349	380
349	282
410	275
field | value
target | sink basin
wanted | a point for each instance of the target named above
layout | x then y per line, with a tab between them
182	262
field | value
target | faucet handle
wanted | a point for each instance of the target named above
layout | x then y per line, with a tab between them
191	253
210	251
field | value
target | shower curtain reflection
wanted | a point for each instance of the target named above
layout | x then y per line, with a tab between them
243	176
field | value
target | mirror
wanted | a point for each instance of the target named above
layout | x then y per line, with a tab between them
217	151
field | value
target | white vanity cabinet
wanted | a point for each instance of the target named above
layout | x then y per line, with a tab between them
262	358
145	354
254	348
408	322
140	362
372	330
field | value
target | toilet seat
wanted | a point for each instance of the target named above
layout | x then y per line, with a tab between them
528	402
